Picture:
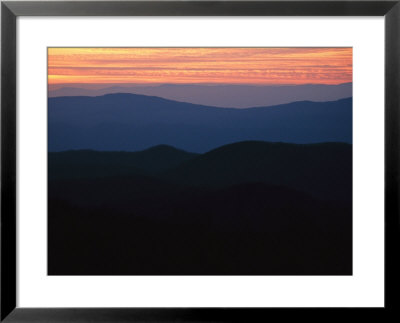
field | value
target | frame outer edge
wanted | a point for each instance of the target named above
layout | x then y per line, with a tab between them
203	8
8	162
392	155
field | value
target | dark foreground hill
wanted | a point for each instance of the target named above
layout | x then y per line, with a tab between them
248	230
74	164
133	122
242	209
323	170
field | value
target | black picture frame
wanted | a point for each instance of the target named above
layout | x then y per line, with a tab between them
10	10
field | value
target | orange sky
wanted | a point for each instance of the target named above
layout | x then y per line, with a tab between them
200	65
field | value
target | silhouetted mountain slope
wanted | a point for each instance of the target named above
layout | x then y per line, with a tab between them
123	193
241	230
137	193
91	164
133	122
249	208
323	170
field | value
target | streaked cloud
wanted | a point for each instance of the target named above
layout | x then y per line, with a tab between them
200	65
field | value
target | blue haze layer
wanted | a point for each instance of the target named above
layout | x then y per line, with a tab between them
132	122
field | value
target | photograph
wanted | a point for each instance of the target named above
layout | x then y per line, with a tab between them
200	161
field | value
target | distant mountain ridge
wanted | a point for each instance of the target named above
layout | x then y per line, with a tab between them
135	122
232	95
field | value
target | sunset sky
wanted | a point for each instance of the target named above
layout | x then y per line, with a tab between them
258	66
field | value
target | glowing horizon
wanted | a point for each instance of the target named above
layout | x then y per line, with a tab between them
257	66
